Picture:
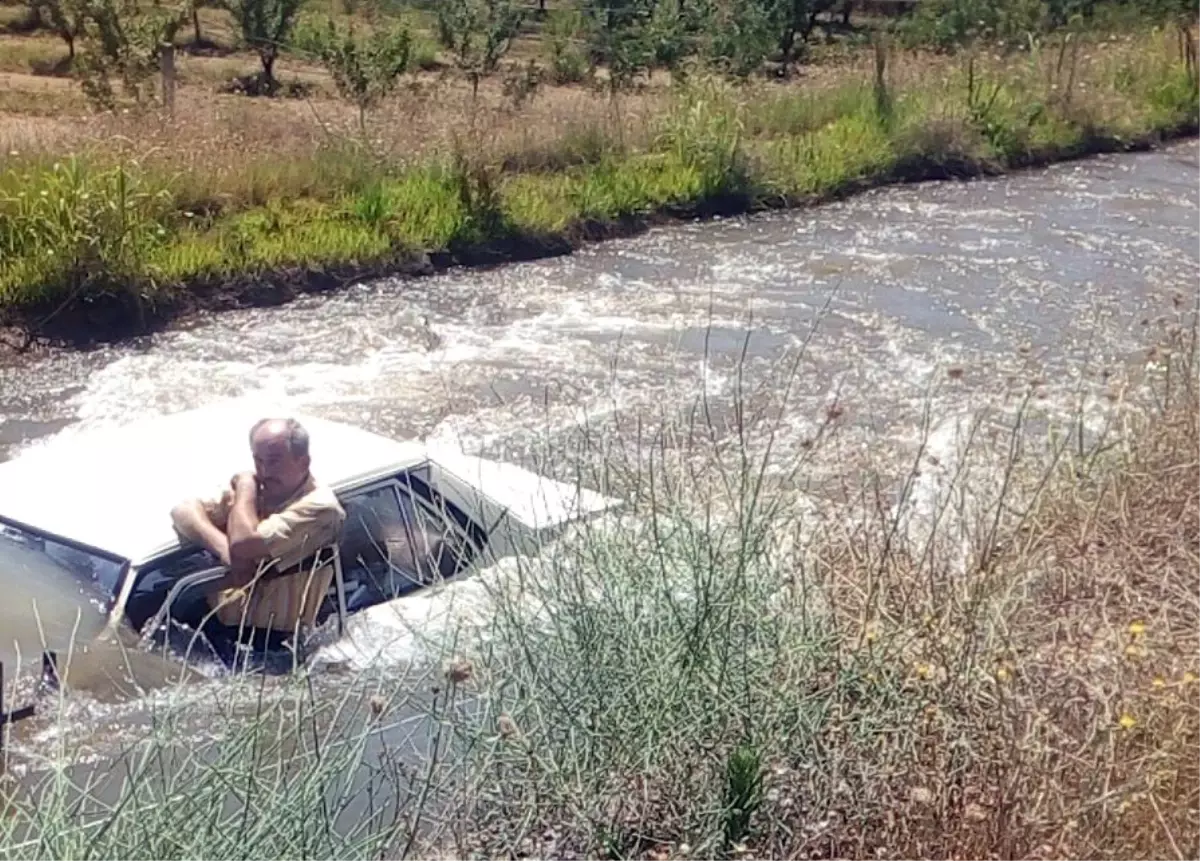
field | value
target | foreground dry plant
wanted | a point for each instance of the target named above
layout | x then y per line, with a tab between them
1049	685
1011	674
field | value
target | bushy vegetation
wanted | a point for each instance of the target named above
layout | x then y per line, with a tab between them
1019	81
950	23
993	654
139	234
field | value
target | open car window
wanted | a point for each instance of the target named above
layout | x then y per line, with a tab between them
155	581
397	538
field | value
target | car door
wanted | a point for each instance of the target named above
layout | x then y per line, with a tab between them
400	536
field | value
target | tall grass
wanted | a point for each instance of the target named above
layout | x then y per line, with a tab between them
991	653
285	776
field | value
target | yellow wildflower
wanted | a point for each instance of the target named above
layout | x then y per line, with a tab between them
1128	721
1159	682
1137	628
1002	674
1188	678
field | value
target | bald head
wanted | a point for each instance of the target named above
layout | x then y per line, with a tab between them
280	449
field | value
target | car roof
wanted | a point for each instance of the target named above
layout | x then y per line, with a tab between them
113	488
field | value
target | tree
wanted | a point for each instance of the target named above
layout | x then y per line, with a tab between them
265	27
739	37
479	33
65	17
792	20
621	40
365	71
124	39
197	35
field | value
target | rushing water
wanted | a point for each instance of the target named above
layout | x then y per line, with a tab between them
1056	273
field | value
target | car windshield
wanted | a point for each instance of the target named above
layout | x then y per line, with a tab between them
53	591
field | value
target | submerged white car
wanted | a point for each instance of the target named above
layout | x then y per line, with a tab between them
94	507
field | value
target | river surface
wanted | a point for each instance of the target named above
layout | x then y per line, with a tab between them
1054	275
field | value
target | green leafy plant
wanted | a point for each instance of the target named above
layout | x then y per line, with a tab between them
265	26
366	70
478	33
563	44
123	40
74	229
620	40
743	791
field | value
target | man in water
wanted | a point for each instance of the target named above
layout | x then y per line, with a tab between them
277	513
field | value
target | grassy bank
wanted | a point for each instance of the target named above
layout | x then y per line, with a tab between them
1005	667
118	236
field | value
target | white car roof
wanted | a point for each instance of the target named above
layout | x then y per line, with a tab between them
113	488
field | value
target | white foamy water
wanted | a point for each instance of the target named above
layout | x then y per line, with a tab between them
1051	276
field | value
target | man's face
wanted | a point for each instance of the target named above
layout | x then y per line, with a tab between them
278	470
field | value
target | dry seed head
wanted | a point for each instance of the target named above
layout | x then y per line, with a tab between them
921	795
507	727
459	671
955	373
377	704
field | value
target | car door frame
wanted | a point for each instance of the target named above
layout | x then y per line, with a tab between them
408	481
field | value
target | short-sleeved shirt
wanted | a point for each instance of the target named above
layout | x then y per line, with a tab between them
310	520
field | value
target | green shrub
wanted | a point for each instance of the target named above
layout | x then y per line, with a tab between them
74	228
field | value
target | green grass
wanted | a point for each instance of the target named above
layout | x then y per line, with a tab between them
86	227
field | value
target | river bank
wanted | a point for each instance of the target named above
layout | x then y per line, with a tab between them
144	245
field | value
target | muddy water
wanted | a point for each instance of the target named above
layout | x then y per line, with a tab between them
1056	274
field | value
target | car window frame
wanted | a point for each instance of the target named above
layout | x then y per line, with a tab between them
414	484
122	562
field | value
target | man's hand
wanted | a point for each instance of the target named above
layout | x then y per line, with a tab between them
244	484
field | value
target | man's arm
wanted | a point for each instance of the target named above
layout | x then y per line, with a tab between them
247	547
192	520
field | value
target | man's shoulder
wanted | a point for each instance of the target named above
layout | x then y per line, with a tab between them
321	501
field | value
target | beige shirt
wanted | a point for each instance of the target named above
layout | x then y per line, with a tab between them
310	520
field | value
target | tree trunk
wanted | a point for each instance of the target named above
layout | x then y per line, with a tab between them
786	43
847	8
268	64
198	39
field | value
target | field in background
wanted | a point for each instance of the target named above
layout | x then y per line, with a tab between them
111	221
